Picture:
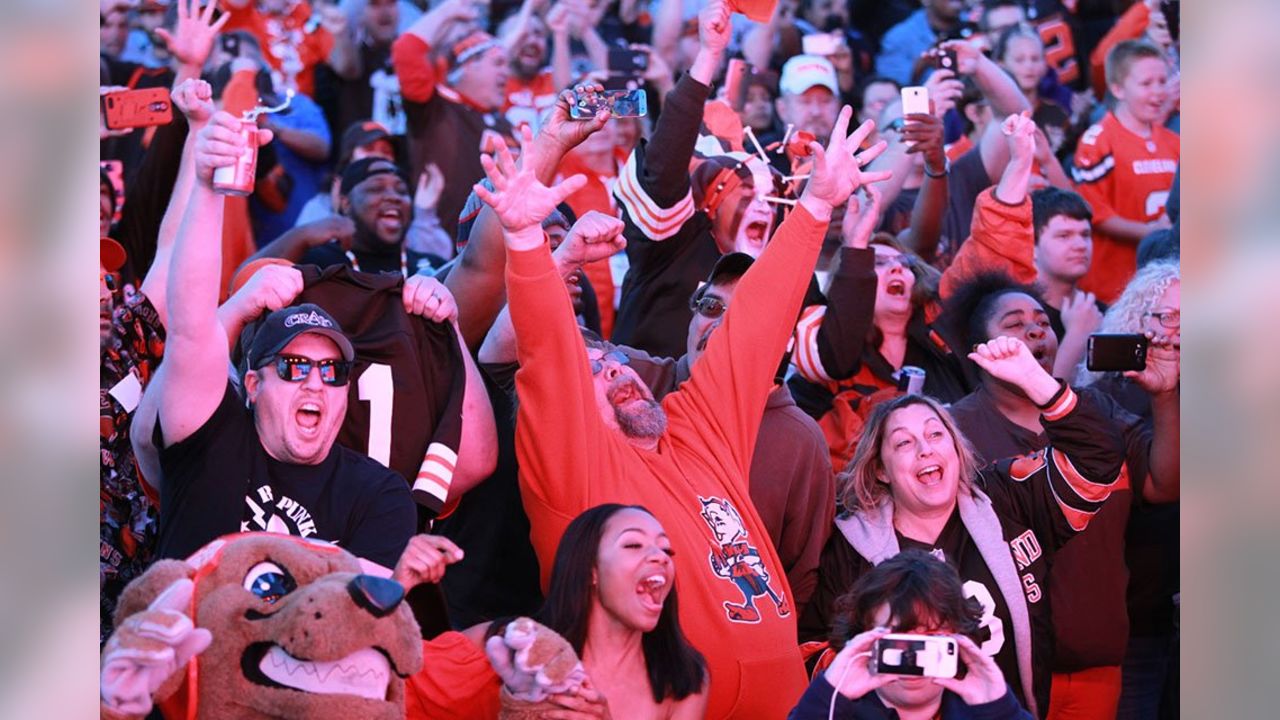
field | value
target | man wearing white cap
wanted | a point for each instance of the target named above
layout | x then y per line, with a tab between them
810	96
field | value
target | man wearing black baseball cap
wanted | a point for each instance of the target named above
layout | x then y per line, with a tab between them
267	459
374	197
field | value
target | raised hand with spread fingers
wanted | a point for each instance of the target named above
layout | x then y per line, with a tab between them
519	200
837	169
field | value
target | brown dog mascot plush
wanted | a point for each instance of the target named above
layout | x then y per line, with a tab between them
259	625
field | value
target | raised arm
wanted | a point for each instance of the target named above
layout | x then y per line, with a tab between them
742	355
1002	234
409	52
195	99
1162	380
996	85
594	237
293	244
192	38
834	350
924	134
554	379
1059	490
196	349
653	188
477	280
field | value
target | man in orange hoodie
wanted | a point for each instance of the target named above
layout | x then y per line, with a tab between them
589	431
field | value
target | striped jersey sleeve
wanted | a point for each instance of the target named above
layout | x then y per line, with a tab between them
653	220
1059	489
805	356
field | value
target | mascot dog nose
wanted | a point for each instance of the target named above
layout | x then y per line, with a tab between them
377	596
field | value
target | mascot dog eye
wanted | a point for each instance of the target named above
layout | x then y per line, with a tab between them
269	582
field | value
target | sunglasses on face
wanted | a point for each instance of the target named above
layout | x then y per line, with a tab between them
617	356
295	369
708	306
110	281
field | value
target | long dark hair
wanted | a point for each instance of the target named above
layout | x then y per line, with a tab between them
676	669
920	590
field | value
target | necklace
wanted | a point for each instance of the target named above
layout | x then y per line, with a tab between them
404	262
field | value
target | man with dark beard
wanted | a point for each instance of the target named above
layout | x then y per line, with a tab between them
589	431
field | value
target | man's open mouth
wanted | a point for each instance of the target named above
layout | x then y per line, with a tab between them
756	231
364	673
308	416
624	393
391	221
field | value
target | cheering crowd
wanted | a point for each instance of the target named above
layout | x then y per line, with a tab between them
815	360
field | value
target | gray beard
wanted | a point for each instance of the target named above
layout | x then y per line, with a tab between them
651	422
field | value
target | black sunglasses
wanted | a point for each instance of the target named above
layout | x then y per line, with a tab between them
291	368
708	306
617	356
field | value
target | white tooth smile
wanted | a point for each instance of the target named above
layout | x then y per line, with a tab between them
929	470
364	673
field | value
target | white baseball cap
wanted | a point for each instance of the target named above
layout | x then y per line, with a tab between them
805	71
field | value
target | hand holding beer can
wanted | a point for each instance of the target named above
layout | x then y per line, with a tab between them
237	179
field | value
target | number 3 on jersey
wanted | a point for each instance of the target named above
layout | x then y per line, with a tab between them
376	387
990	621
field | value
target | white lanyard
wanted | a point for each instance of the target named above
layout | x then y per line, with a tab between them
404	262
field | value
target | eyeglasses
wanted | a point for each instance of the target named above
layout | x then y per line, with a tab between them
617	356
708	306
1169	318
294	369
886	261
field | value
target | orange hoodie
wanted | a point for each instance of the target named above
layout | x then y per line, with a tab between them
736	606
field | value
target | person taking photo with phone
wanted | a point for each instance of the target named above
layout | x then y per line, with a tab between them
912	592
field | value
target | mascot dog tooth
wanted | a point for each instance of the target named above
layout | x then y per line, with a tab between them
293	629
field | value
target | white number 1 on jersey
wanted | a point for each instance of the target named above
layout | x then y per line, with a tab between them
375	385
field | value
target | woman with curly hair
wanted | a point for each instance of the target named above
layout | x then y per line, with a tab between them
1150	304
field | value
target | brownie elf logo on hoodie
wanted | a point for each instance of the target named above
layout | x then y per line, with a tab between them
283	515
735	559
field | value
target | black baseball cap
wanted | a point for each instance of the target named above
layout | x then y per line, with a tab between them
729	268
282	326
364	168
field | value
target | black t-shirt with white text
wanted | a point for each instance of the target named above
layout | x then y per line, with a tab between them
221	480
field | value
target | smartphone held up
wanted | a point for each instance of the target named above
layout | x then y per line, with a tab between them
588	103
916	655
1116	352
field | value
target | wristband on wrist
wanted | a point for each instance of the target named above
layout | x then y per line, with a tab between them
946	168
